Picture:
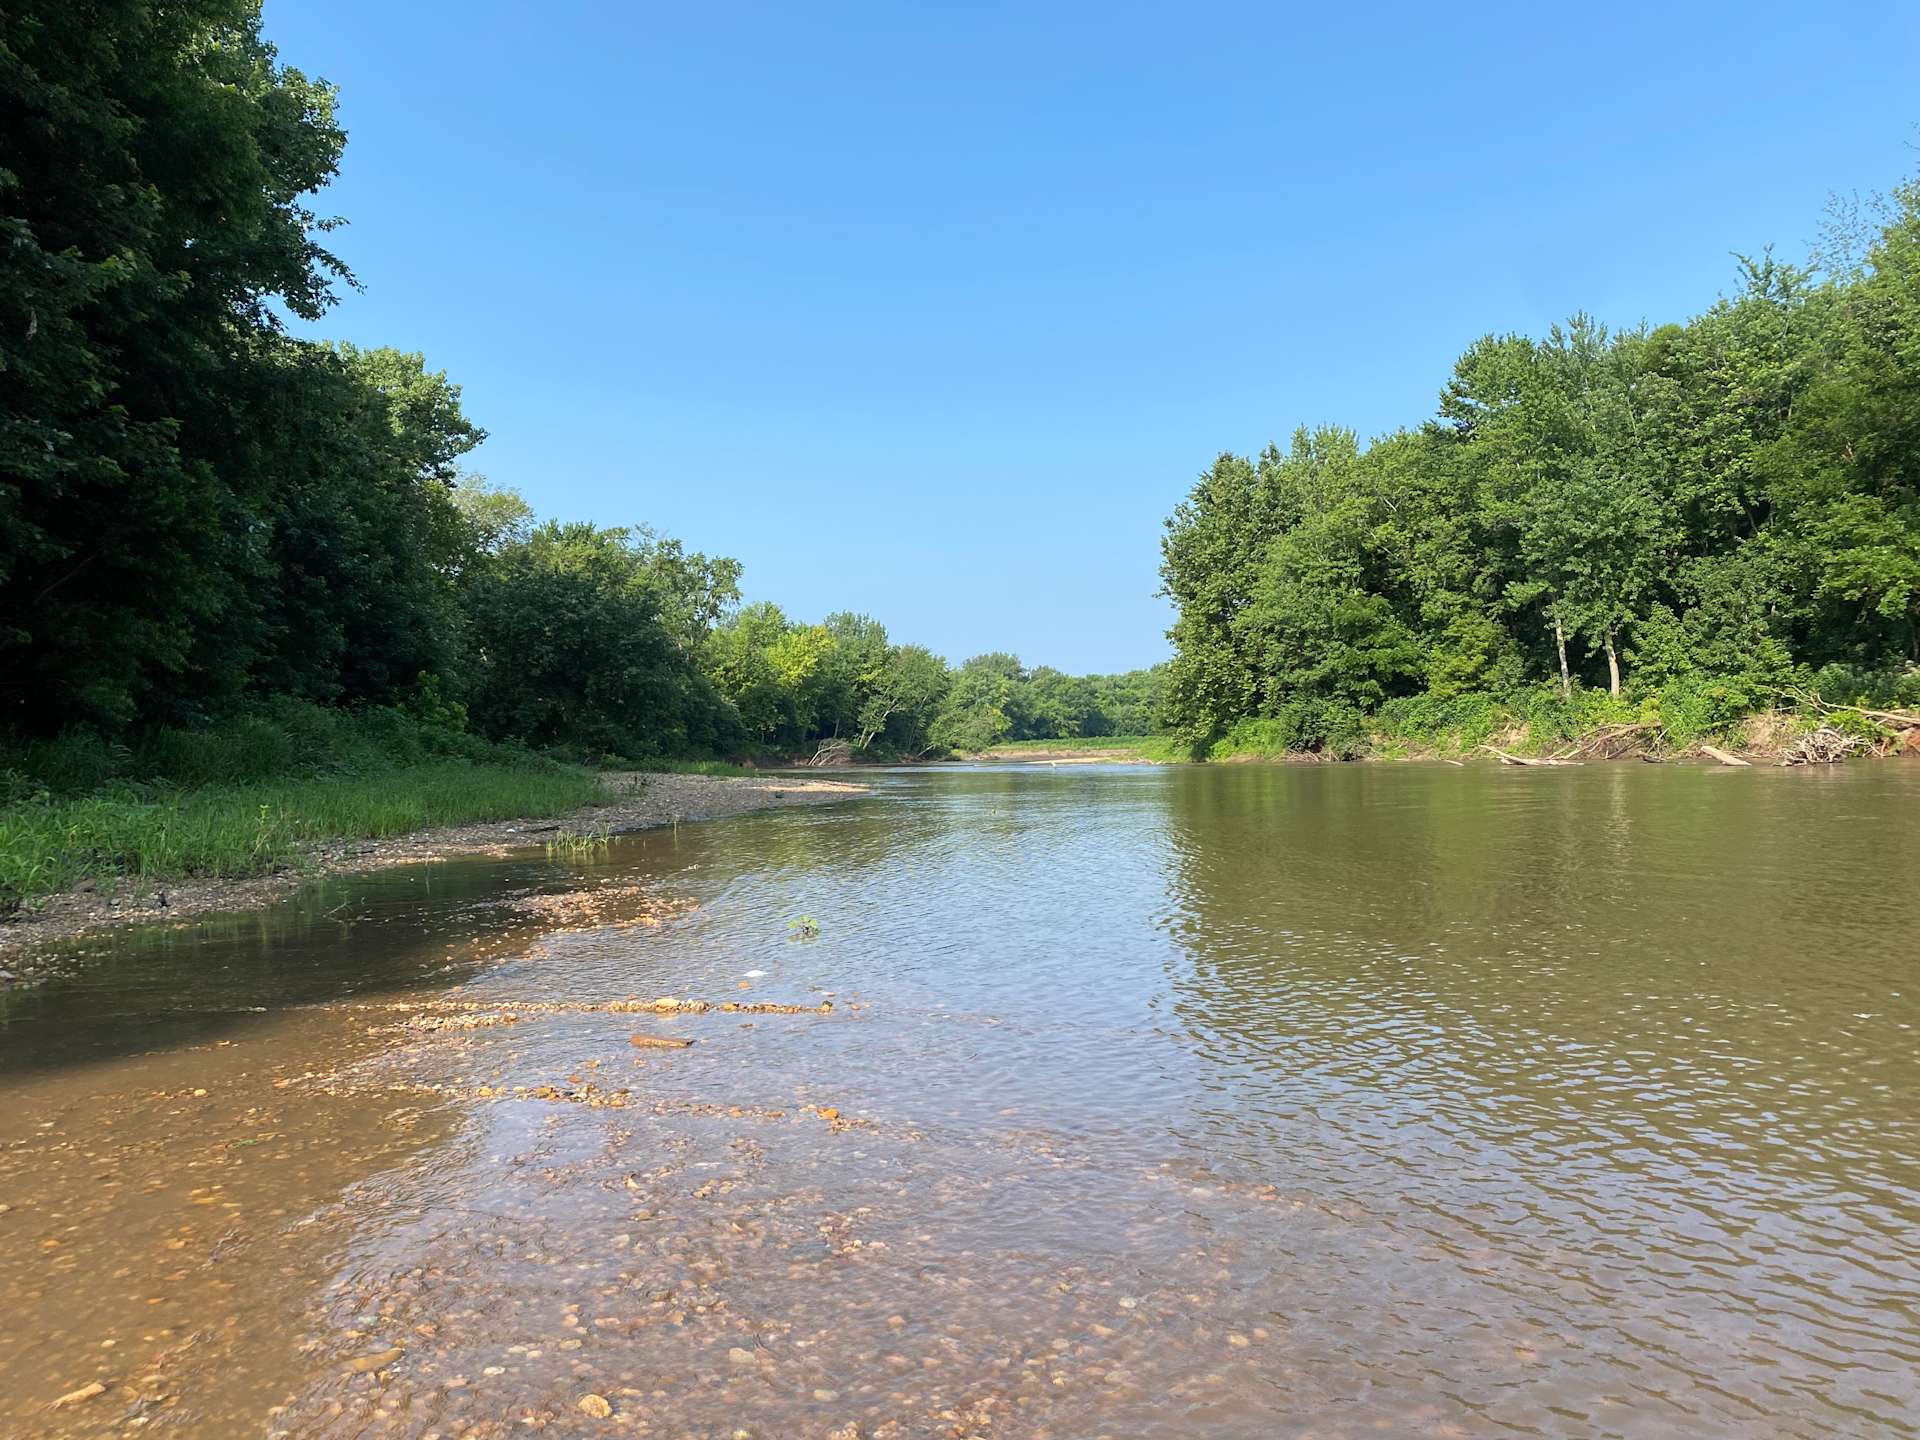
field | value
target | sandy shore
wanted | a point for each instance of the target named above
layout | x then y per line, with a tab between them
637	800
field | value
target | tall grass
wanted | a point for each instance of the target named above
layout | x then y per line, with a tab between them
221	831
580	844
244	798
696	767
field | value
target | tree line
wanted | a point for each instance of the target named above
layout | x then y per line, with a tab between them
620	641
201	512
1682	524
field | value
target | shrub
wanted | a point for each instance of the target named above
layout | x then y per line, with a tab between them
1328	727
1462	721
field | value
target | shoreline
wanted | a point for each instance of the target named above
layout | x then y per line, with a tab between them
1763	738
634	800
1040	756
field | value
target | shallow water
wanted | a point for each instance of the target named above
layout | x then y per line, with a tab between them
1246	1101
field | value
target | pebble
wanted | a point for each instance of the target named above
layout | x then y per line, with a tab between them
740	1357
596	1406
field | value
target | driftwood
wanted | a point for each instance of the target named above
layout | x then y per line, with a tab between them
1892	719
1902	729
1724	757
1507	759
1825	746
1609	742
832	752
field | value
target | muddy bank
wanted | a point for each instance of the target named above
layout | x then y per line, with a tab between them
636	800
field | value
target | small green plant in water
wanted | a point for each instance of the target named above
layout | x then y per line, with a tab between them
803	928
578	845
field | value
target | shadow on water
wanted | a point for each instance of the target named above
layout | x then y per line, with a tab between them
158	986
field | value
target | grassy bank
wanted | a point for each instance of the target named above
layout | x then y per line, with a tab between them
1081	743
1587	724
725	769
1162	749
244	797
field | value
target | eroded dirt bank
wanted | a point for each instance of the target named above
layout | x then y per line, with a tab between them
636	800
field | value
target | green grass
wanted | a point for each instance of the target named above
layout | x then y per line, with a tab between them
695	767
1162	750
580	844
1089	742
144	836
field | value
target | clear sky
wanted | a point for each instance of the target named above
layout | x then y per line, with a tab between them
935	311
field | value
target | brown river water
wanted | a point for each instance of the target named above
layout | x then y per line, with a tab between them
1109	1101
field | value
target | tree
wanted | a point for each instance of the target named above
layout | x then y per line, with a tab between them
151	216
1209	564
902	694
975	715
573	650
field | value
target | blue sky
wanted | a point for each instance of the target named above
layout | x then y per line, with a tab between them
935	311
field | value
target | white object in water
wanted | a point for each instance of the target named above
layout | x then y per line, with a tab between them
755	974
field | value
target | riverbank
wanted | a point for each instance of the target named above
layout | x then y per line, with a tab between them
1543	730
1086	750
579	801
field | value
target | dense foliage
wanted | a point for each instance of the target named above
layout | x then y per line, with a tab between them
1701	518
204	518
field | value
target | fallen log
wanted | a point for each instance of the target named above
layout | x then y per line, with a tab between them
1893	719
1507	759
1724	758
1608	742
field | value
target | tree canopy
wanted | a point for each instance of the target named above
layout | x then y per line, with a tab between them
1698	517
201	512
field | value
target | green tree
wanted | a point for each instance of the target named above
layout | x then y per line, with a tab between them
975	714
151	218
902	695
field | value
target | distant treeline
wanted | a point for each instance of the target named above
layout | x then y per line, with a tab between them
201	515
1678	525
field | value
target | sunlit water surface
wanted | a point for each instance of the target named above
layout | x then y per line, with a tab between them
1243	1102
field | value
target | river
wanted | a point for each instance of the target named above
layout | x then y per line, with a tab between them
1108	1101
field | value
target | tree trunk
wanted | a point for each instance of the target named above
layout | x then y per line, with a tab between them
1613	668
1560	643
